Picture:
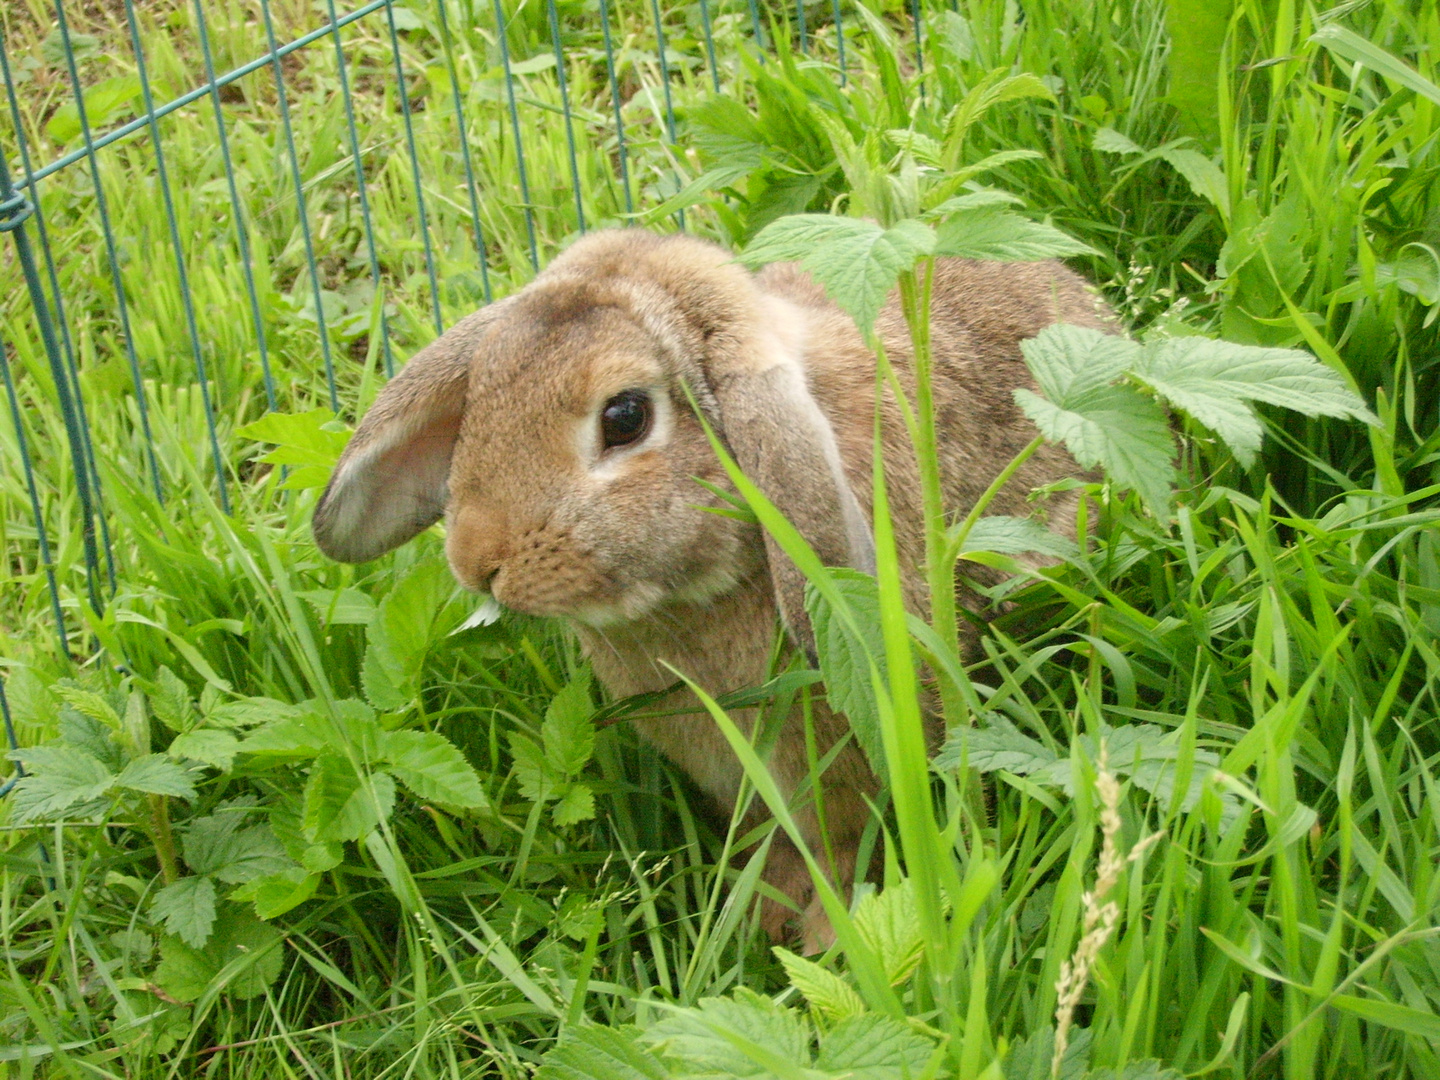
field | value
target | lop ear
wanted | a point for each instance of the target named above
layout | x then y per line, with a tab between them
787	446
391	482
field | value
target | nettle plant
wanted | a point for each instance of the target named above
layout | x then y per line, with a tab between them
900	1006
312	777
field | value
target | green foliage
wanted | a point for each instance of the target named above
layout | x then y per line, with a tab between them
1258	661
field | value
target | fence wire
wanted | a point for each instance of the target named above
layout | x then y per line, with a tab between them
206	198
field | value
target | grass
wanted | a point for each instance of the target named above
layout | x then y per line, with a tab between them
1283	630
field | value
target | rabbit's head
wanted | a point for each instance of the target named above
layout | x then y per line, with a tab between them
560	434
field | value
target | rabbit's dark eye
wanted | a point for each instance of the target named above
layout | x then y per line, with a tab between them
626	418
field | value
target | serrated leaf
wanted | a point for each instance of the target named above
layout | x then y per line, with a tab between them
414	613
845	661
90	736
1146	754
187	907
1109	141
1205	178
156	775
698	1036
275	894
59	777
827	992
872	1046
997	744
889	921
855	261
576	805
920	146
339	805
568	732
431	767
240	939
251	712
88	703
341	607
1016	536
170	701
1213	381
207	746
300	734
221	845
996	87
989	233
594	1052
1101	424
974	200
532	771
1149	1069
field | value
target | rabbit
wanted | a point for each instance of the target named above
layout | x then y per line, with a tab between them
554	433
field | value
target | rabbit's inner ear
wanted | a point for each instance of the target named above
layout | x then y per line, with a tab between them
390	484
787	447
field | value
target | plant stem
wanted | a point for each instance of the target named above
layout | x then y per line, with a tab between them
915	292
163	837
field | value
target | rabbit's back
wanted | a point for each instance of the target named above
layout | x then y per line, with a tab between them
980	312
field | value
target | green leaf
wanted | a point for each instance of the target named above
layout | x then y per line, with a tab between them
1017	536
170	701
59	777
413	614
431	767
341	607
532	771
1205	177
1149	1069
568	732
187	908
339	805
889	921
1109	141
973	200
1350	45
243	951
874	1047
104	101
275	894
989	233
299	734
155	775
998	744
90	736
593	1052
993	89
217	845
1213	381
705	1037
309	438
828	993
1102	425
845	660
857	262
1197	30
576	805
88	703
1417	1022
207	746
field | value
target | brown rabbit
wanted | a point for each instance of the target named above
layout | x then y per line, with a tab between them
553	433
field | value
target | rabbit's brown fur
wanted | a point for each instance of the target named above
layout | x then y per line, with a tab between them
494	425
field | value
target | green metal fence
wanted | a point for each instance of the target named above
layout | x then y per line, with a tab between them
206	200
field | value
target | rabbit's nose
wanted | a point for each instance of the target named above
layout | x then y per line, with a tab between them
475	546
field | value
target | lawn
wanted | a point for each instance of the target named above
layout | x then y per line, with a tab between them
287	817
